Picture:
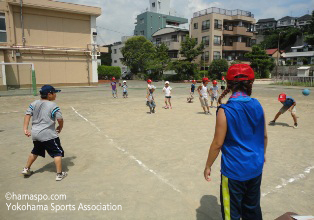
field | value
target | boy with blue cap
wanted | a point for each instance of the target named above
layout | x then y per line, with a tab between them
44	114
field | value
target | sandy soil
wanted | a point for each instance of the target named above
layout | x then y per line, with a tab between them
151	165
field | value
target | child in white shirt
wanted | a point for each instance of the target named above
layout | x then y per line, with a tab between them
167	90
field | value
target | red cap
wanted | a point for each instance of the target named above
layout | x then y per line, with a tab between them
222	78
240	72
193	80
282	97
205	79
214	82
149	80
113	78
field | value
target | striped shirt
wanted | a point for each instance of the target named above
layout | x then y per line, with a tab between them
44	114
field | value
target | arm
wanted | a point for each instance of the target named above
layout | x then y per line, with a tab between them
59	128
294	104
199	90
27	118
219	138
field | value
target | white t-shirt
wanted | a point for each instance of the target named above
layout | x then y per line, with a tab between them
204	91
214	89
167	91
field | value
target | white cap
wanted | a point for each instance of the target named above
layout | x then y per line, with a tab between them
124	81
167	82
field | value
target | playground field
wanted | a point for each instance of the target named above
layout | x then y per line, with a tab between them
149	165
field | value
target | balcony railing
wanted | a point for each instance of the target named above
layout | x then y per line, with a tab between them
223	12
218	26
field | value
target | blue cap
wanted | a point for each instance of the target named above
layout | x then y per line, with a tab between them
48	89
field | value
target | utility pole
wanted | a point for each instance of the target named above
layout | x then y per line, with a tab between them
278	51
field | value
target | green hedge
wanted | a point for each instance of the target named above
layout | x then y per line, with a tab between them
107	72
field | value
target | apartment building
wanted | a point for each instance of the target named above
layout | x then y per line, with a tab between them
226	34
159	16
58	38
287	21
265	24
116	54
172	37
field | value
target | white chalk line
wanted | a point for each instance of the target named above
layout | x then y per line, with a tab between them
140	163
9	112
290	180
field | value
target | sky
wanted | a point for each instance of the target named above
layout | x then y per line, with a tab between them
118	16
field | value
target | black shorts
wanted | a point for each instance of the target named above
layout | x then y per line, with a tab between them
223	87
53	148
168	97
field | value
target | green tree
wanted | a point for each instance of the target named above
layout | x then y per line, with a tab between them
216	68
309	37
190	50
186	68
260	62
106	57
159	62
137	53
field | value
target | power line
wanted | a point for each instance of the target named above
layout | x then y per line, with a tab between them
111	30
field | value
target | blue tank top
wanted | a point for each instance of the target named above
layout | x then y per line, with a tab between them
243	149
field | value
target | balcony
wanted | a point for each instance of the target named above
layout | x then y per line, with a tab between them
238	30
172	45
241	46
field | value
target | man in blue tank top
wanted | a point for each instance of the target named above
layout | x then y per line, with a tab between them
242	138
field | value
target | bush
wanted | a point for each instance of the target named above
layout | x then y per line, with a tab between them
217	67
107	72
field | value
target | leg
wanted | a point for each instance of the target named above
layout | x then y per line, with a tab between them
277	116
231	194
251	208
58	164
169	102
31	160
166	103
204	109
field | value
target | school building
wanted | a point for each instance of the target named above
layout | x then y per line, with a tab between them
227	34
58	38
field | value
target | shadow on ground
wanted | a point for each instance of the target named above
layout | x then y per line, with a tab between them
209	209
281	124
51	167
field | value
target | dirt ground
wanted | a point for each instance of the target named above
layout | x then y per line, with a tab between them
151	165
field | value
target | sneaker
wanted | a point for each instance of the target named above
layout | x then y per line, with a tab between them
61	176
26	171
295	125
272	122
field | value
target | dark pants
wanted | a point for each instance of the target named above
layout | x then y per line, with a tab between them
240	199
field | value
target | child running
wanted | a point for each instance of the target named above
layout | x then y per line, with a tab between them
189	99
125	89
114	87
167	90
204	92
214	91
288	104
44	134
241	136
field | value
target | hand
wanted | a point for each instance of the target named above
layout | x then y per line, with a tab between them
27	133
290	110
58	129
207	174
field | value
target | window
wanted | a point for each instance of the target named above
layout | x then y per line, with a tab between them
115	51
183	37
205	41
115	61
195	25
3	31
205	56
196	39
158	40
141	21
142	33
174	38
217	40
173	54
217	55
218	24
153	4
205	25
